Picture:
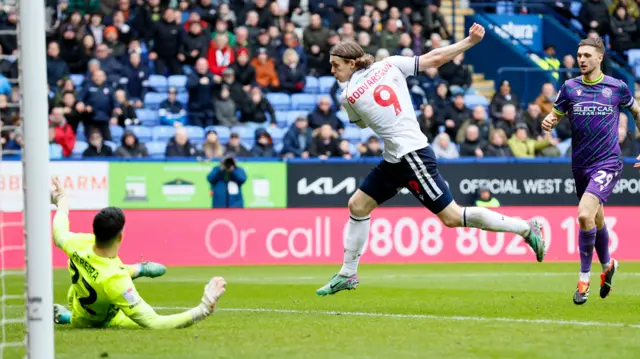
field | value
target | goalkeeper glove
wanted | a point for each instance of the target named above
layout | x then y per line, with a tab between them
212	291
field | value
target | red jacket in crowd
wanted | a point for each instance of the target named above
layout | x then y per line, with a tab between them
66	138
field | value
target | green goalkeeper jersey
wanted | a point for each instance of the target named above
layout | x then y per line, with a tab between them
102	292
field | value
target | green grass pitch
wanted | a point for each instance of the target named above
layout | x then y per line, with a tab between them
399	311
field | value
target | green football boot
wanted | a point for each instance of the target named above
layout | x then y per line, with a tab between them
338	283
535	240
150	270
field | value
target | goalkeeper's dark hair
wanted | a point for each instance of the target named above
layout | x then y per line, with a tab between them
596	42
107	225
351	50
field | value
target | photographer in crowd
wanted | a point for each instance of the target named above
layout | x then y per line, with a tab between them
226	180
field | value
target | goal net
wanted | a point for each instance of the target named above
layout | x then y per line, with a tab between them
26	281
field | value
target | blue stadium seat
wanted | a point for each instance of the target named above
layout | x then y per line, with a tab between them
183	98
505	8
342	115
277	147
576	24
143	133
277	134
248	144
575	7
163	133
152	100
636	71
195	133
223	132
80	133
351	134
365	133
246	133
303	102
312	85
78	149
634	57
475	100
148	117
77	80
156	149
281	117
177	81
279	101
116	133
292	116
55	151
158	83
111	144
326	83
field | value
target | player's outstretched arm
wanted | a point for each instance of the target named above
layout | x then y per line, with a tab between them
142	314
61	231
439	57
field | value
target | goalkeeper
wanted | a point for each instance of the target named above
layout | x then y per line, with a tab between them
102	293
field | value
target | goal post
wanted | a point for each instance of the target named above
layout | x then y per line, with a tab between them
36	179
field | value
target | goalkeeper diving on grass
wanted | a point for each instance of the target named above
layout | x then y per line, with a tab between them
102	293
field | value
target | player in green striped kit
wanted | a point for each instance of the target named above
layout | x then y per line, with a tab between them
102	293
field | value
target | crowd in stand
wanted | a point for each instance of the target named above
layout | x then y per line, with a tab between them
229	60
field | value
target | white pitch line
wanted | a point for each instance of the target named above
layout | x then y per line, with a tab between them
455	318
449	318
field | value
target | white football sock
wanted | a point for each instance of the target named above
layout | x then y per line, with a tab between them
585	277
486	219
605	266
357	235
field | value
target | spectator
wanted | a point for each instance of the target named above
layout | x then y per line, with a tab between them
498	146
443	148
235	148
501	98
226	181
457	74
372	148
547	98
568	63
171	112
112	67
390	37
473	145
244	72
508	120
194	45
266	75
236	92
315	34
441	103
63	133
434	21
206	10
486	199
57	69
131	147
71	51
417	44
325	144
623	31
364	40
117	49
212	147
225	108
98	102
7	111
255	110
524	147
428	81
345	148
180	146
242	40
318	62
124	110
290	42
533	118
630	6
88	47
135	78
298	139
346	16
97	147
291	74
265	42
264	145
200	86
222	28
84	7
220	55
166	37
428	121
479	119
76	25
9	41
594	15
95	28
550	61
74	118
455	115
11	142
324	114
125	32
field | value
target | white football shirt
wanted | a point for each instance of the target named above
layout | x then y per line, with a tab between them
379	97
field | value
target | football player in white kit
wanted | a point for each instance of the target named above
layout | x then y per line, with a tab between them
376	96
